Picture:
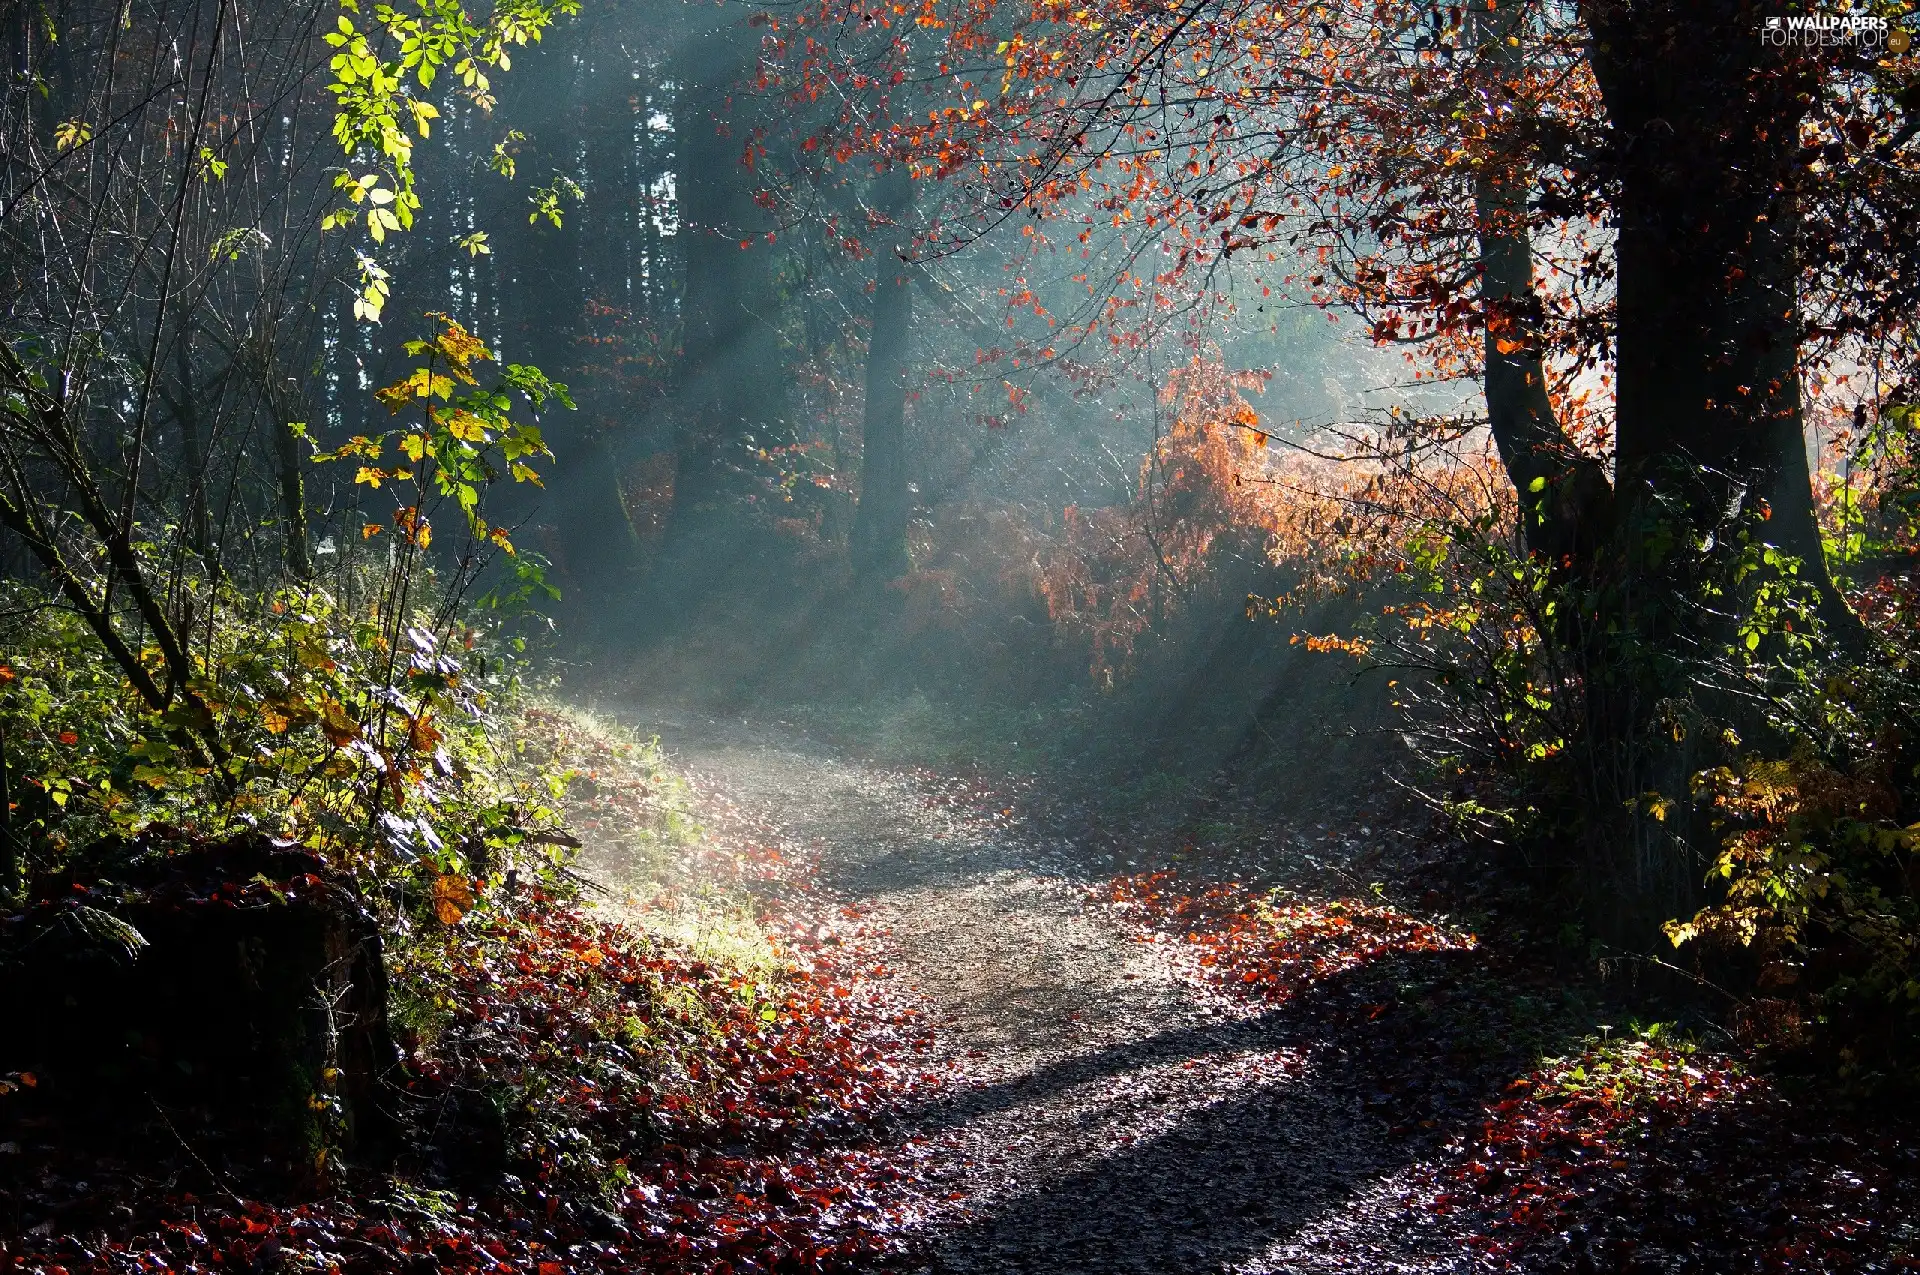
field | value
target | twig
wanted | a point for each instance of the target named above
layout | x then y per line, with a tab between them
187	1147
585	881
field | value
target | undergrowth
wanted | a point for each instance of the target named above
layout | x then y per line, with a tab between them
620	1042
679	1081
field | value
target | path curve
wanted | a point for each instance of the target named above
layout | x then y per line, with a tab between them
1105	1115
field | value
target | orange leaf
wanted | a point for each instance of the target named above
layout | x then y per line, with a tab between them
339	729
421	733
452	899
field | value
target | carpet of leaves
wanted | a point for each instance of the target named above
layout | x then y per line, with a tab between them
742	1112
1654	1155
1267	947
660	1112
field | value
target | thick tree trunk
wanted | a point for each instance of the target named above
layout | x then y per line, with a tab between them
1708	417
1708	391
879	541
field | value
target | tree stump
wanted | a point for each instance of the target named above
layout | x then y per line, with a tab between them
237	986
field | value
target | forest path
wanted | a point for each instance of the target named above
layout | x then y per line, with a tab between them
1102	1114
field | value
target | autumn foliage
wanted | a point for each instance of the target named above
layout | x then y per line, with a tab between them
1342	514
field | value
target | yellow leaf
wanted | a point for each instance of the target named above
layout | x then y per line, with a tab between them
460	346
395	396
465	426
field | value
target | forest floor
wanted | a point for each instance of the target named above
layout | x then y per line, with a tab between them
1177	1071
870	1017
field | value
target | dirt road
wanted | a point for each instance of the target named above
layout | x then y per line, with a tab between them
1107	1115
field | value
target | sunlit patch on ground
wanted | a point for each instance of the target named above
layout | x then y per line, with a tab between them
1041	1131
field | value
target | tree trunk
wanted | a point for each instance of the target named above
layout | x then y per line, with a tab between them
731	385
879	541
10	857
282	399
1562	493
597	536
194	450
1707	411
1708	391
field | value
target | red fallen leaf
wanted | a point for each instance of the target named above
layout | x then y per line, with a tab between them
550	1268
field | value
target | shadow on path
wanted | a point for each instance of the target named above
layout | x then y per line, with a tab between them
1202	1148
